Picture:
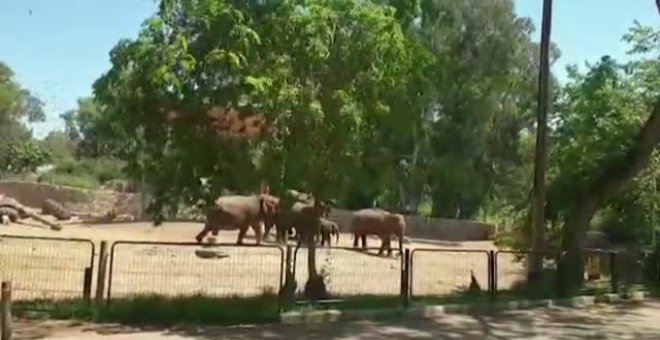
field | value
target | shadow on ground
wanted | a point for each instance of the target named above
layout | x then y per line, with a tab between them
599	322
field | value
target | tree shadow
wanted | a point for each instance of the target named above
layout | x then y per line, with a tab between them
597	322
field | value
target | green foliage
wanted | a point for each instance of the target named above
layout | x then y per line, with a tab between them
598	114
74	181
88	173
16	105
161	310
25	157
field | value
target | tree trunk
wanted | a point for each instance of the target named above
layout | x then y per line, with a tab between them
315	288
543	100
615	174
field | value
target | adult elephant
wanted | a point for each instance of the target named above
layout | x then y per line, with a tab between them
239	212
303	218
384	224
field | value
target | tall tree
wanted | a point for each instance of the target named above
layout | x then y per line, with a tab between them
17	105
608	129
312	75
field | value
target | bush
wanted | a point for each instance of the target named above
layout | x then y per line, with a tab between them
88	173
84	182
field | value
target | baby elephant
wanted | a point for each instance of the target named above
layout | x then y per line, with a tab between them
328	229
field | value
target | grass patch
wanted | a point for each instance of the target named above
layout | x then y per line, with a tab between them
160	310
539	291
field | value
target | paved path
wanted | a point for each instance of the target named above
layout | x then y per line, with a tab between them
639	322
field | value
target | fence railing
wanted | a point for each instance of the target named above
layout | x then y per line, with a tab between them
171	269
438	272
56	268
351	272
46	268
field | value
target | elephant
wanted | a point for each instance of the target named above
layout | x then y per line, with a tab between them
375	221
328	229
239	212
283	222
303	218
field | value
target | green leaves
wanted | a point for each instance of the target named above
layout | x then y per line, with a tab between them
26	157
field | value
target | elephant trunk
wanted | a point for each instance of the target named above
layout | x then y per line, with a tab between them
335	230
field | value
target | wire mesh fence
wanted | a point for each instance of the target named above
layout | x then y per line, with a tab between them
351	272
439	272
511	268
176	269
44	268
633	267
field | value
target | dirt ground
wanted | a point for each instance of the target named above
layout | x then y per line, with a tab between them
47	268
617	322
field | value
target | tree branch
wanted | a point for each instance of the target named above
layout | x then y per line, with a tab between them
619	171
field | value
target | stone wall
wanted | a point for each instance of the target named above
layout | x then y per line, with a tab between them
431	228
75	199
101	201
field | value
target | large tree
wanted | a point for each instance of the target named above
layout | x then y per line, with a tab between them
233	92
608	128
17	106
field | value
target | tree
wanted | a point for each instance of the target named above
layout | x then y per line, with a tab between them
87	127
484	88
16	106
312	76
26	157
609	126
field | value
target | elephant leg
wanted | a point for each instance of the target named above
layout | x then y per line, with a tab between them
364	240
241	234
383	244
201	235
389	247
257	232
355	240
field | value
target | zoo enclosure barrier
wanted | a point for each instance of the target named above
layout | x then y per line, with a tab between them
349	272
173	269
47	268
44	268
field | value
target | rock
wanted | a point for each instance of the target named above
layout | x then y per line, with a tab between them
210	254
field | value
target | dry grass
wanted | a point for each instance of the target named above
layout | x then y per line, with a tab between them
50	269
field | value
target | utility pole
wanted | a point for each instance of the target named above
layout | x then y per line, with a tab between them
543	102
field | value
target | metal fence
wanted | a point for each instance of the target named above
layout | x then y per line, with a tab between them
45	268
438	272
174	269
350	271
511	268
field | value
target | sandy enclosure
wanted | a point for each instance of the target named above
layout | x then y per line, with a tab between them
55	269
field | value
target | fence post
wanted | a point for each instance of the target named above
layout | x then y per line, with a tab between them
100	279
491	274
288	289
6	311
87	284
405	277
614	277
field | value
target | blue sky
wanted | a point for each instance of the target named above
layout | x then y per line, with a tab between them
59	49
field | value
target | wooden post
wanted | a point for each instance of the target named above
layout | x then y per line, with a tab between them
87	284
100	279
540	153
6	311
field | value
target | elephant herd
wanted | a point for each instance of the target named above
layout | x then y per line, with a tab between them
309	221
